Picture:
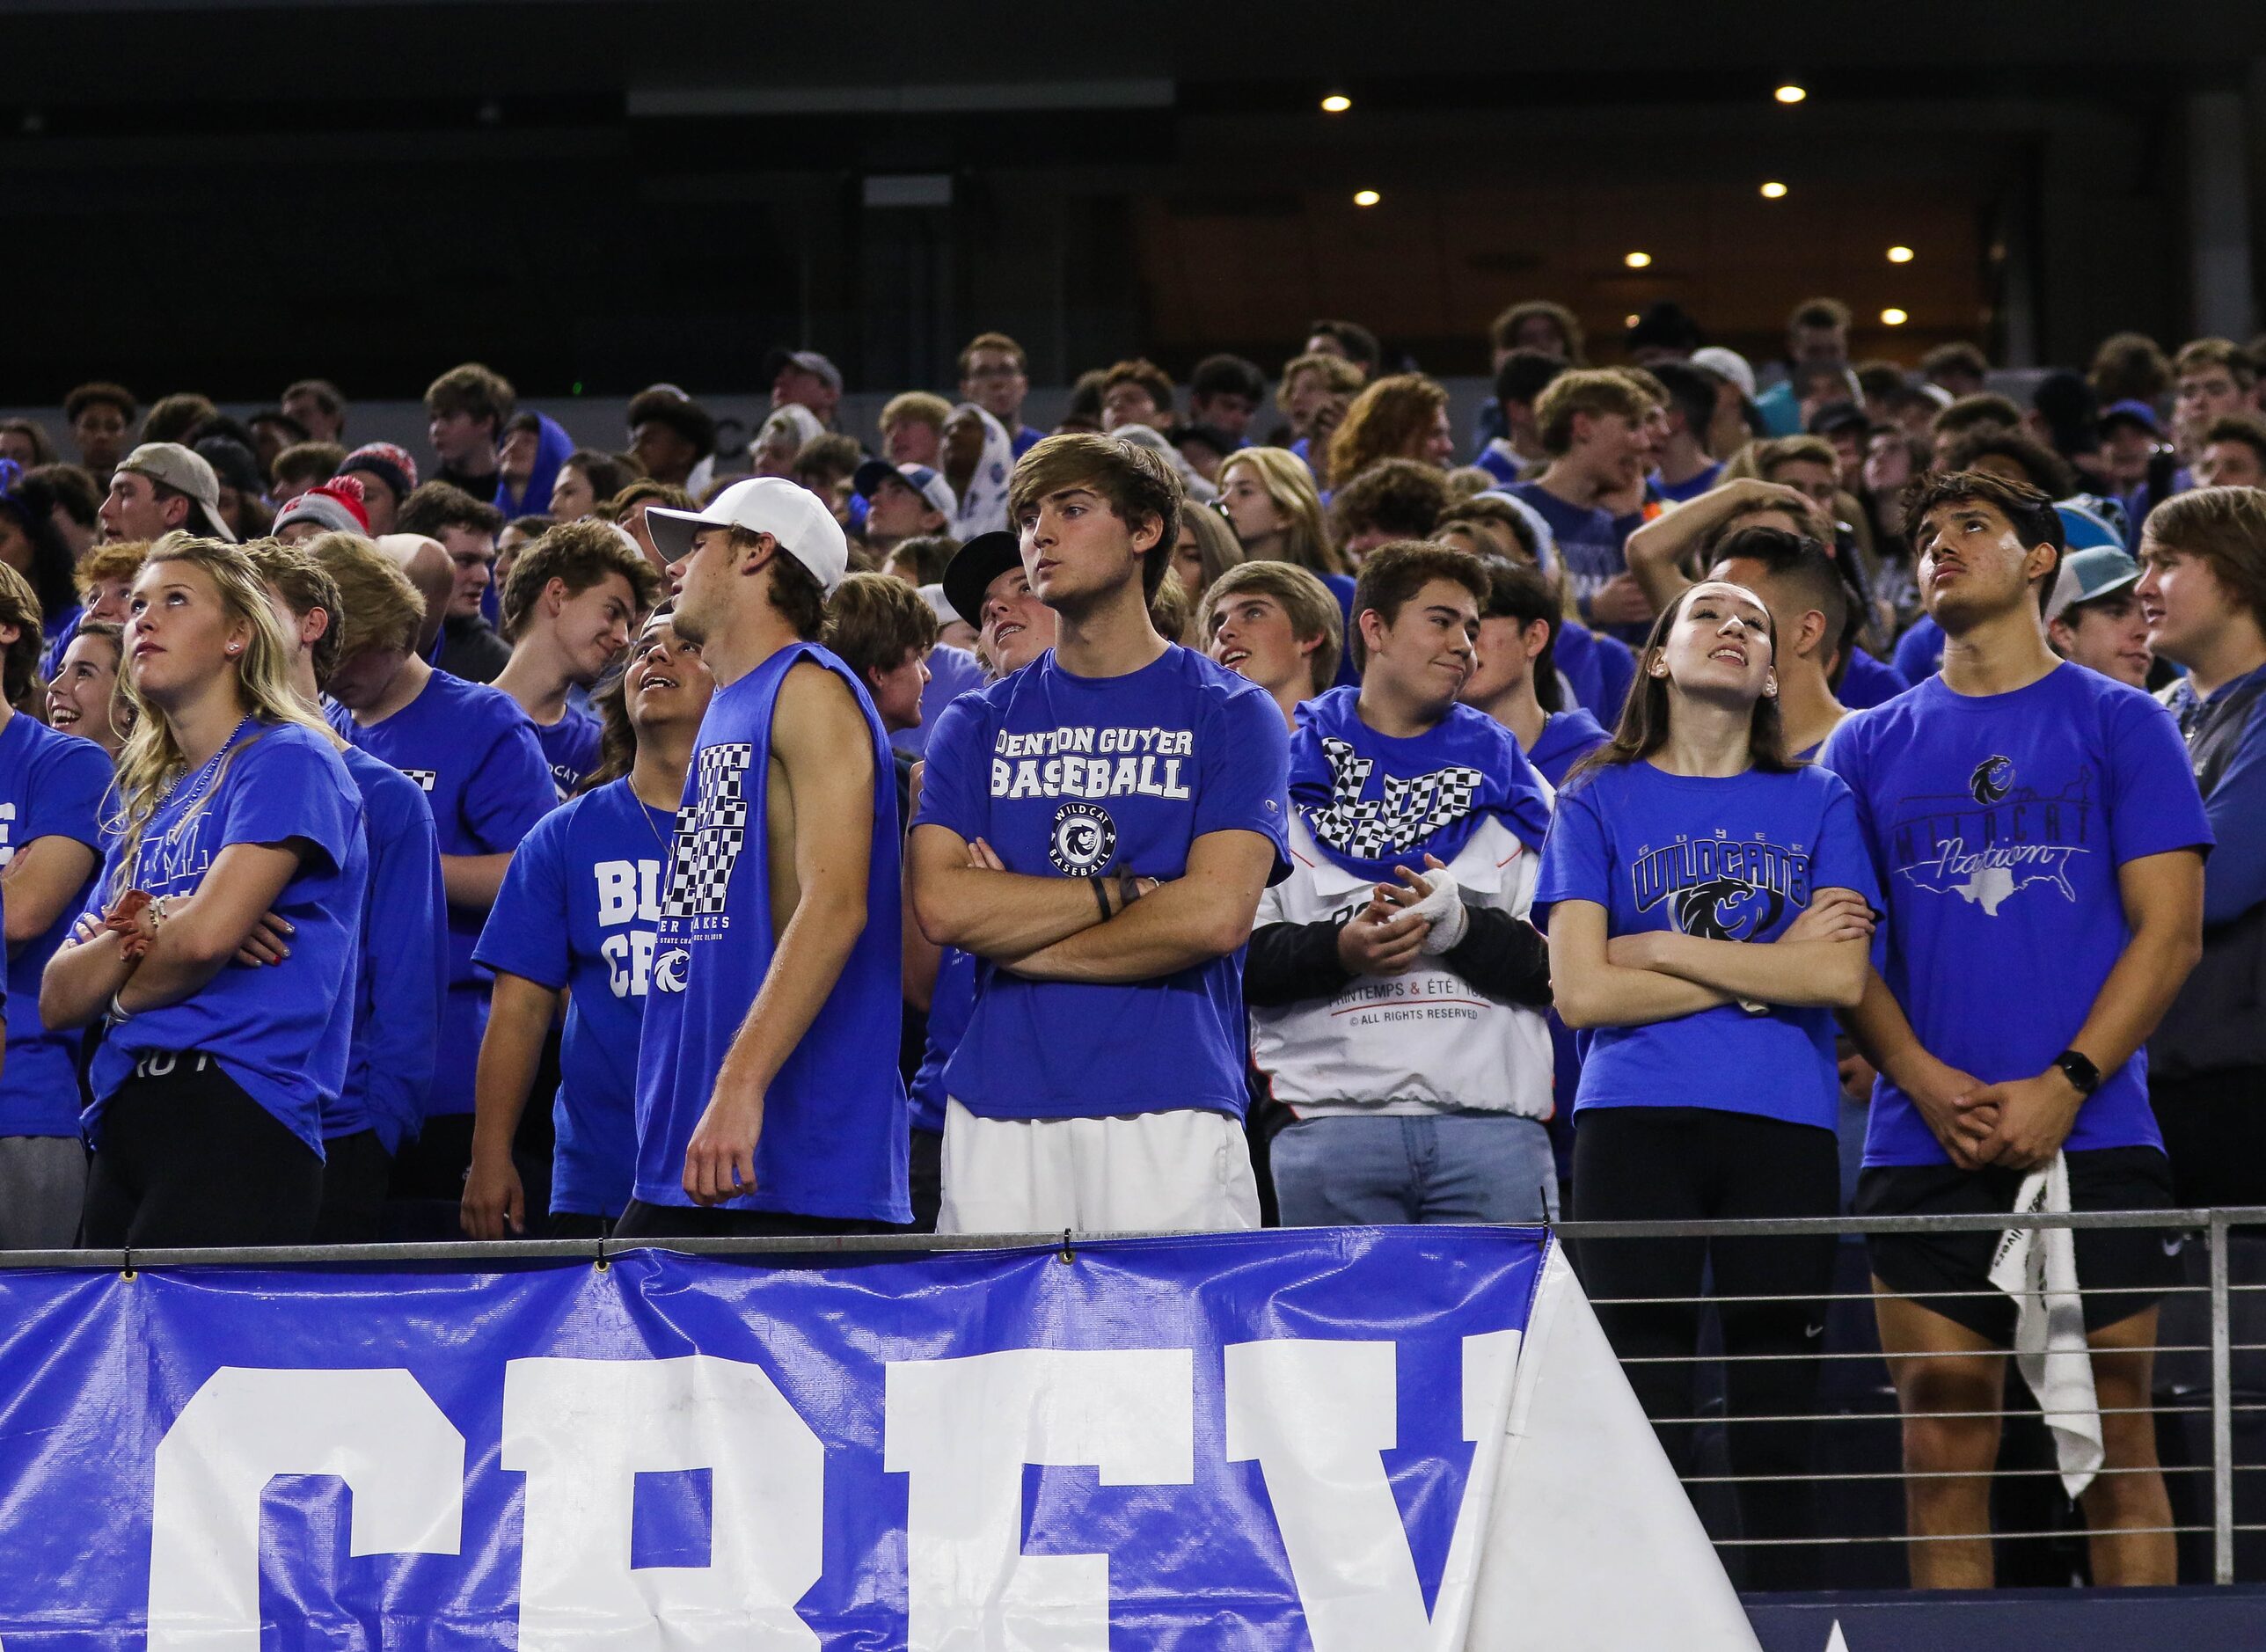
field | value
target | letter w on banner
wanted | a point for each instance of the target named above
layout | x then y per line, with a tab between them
1399	1440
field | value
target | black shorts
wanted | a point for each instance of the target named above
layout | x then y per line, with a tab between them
2121	1271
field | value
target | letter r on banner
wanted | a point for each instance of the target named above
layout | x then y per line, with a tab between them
963	1429
583	1429
403	1460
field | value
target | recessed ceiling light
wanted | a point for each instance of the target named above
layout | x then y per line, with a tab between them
1773	191
1366	197
1637	260
1900	255
1893	318
1630	319
1790	93
1336	103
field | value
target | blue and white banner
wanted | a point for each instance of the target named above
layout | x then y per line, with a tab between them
1399	1440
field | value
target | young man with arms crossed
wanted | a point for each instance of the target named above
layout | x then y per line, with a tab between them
475	755
577	915
401	981
1097	828
1415	840
2202	598
768	1098
2039	842
569	610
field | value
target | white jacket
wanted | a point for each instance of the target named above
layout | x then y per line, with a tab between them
1423	1043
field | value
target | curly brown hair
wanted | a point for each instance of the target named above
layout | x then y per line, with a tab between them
1391	420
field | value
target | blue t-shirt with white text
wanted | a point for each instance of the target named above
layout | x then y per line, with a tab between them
577	914
1074	777
273	1028
52	785
571	747
1997	824
1729	860
476	756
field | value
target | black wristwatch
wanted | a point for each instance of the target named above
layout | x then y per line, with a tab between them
2083	1075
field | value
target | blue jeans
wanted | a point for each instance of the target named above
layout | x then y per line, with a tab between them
1352	1171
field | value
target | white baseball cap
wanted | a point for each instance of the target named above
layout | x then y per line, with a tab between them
787	511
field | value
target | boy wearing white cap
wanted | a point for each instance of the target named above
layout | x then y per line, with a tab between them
767	1096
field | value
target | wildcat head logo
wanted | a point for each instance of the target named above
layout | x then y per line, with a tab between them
1727	909
1993	780
1082	840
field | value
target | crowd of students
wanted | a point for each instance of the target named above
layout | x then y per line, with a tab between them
1178	822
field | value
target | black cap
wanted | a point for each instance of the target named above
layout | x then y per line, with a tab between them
973	567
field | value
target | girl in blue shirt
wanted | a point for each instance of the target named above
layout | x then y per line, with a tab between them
1709	903
221	936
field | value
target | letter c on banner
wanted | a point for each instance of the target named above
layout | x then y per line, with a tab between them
963	1429
581	1431
378	1431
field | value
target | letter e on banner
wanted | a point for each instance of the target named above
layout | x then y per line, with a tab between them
963	1429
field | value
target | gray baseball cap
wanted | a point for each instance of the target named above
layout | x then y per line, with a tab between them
185	471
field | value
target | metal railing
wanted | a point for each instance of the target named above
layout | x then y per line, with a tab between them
2219	1291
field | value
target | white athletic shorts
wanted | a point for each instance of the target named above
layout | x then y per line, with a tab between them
1183	1171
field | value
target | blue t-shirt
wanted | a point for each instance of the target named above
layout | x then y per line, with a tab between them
1997	823
1073	776
52	785
1724	860
274	1029
834	1140
401	983
1026	439
952	672
1692	486
1918	653
949	1006
570	746
1868	683
1590	541
476	756
577	913
1566	737
1598	669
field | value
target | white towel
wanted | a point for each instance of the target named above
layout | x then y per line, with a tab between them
2037	1267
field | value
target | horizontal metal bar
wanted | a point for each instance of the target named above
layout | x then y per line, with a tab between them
1950	1222
508	1253
1921	1474
1874	1296
1949	1536
1938	1417
1755	1359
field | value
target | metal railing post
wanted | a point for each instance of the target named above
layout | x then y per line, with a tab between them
2222	1408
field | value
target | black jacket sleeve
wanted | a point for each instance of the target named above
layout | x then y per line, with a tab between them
1289	962
1504	957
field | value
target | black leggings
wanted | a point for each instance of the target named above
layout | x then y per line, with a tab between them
188	1158
1686	1164
355	1169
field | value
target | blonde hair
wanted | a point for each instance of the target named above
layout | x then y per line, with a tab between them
1306	543
115	560
1595	390
380	607
1310	605
151	760
919	406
